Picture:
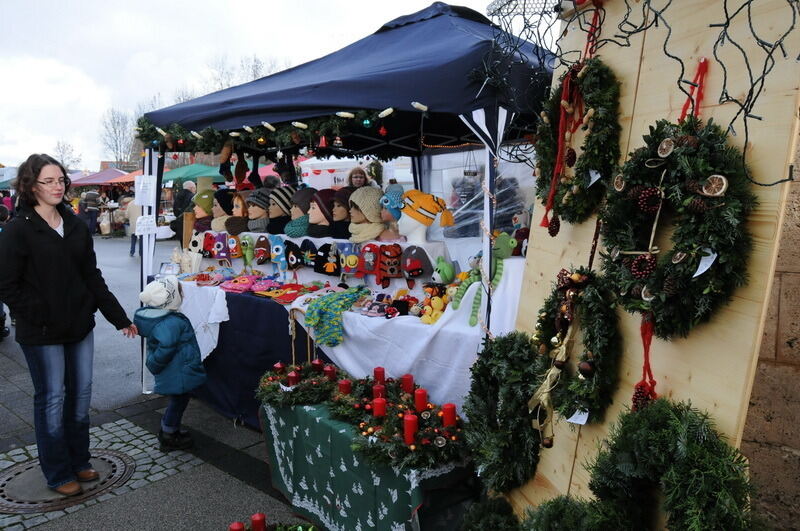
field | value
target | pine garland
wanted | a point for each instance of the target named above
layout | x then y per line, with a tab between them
494	514
663	283
589	298
666	445
500	434
575	200
314	387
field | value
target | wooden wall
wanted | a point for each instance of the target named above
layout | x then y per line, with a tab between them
714	367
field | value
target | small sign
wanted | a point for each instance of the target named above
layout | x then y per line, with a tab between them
705	262
145	190
146	225
580	417
286	389
594	176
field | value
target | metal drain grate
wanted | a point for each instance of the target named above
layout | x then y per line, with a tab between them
23	488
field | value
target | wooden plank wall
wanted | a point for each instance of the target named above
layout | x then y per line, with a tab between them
714	367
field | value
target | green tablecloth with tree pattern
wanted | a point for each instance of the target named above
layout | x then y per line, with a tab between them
313	465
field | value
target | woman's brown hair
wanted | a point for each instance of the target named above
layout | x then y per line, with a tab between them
357	169
28	173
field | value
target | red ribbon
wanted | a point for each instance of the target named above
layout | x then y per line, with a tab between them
647	385
594	31
698	83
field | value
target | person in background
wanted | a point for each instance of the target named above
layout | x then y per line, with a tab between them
92	201
50	281
358	178
4	331
132	213
173	355
183	199
8	202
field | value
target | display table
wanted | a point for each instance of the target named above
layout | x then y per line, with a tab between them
312	464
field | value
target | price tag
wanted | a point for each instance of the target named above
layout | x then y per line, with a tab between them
580	417
594	176
705	262
146	225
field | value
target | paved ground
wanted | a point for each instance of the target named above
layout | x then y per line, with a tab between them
223	479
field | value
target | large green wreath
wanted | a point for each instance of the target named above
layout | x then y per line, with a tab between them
667	445
582	294
500	434
313	388
705	188
575	199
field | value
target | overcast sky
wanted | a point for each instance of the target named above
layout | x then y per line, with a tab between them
64	63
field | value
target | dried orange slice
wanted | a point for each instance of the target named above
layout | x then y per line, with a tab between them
715	186
619	182
666	147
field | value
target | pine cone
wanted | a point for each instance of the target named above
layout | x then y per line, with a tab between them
562	279
670	287
642	396
694	187
554	226
697	206
570	157
633	193
688	140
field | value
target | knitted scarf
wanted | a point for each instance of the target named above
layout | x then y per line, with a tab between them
318	231
364	232
340	230
218	224
278	225
236	225
257	225
324	314
297	227
203	224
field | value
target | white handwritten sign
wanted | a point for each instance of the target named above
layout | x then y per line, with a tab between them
146	225
145	190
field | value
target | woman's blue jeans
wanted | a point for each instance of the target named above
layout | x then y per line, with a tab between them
62	382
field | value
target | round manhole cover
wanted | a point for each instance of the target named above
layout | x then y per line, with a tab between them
23	488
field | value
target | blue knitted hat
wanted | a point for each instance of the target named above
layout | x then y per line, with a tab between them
392	200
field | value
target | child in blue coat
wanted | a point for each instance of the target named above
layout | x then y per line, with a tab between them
173	355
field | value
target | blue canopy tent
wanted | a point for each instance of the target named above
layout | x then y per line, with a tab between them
445	57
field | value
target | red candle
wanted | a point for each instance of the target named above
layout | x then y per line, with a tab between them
330	372
317	365
279	367
345	387
294	378
379	407
378	391
380	375
258	522
421	400
410	427
236	526
449	415
407	383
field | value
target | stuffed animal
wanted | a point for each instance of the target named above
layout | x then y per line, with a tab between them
277	251
262	252
220	250
415	264
389	264
444	272
234	246
432	312
248	251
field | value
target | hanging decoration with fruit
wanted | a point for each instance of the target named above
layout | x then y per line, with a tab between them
571	186
585	393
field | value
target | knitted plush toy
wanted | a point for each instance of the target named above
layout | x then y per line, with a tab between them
278	255
415	264
327	260
348	258
368	261
262	246
389	264
209	239
234	246
196	243
248	251
294	256
432	312
221	251
444	272
309	253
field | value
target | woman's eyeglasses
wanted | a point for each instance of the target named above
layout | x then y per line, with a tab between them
50	183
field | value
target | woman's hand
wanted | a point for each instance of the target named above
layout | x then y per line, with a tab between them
130	331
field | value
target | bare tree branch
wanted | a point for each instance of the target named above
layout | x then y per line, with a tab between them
117	135
64	153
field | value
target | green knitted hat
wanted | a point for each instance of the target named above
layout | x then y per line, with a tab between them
204	200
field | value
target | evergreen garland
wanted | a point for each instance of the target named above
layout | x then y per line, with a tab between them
357	406
500	434
589	298
494	514
575	200
687	154
314	387
666	445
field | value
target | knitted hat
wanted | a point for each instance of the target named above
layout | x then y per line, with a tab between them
368	201
327	260
368	260
259	198
424	207
302	198
294	256
162	293
415	264
389	264
348	257
309	251
261	249
342	195
220	250
392	200
204	200
324	201
225	199
282	196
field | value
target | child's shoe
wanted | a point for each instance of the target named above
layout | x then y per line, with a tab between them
174	441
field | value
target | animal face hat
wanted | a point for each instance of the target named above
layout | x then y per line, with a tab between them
234	247
196	243
348	258
261	253
389	264
392	200
415	264
294	256
424	208
220	250
162	293
309	251
278	252
368	261
327	260
209	240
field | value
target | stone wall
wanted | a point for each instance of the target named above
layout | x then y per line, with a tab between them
771	437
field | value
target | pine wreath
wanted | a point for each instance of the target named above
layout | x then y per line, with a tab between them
668	445
574	199
499	432
583	295
313	387
704	187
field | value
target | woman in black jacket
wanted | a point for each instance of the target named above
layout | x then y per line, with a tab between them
50	282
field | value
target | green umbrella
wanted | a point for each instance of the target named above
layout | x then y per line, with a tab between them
191	172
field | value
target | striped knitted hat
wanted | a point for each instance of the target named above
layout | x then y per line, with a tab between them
282	196
424	208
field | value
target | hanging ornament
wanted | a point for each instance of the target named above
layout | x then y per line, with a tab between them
553	226
643	266
366	122
649	199
619	182
715	186
261	140
337	142
382	131
323	142
181	141
174	156
666	147
570	157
